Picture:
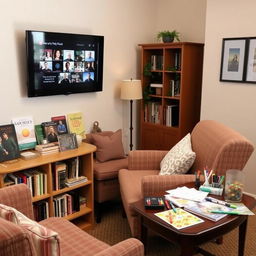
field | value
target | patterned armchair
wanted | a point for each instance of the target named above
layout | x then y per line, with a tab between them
216	146
16	241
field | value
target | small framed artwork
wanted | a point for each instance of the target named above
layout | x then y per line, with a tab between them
67	141
233	59
251	61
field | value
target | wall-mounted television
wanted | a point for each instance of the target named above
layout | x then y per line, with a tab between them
63	63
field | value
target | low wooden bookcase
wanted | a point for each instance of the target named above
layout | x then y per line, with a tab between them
83	218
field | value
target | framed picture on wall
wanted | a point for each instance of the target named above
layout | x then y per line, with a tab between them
233	59
251	61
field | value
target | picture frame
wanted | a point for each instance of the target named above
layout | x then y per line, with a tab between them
67	141
9	148
251	61
233	59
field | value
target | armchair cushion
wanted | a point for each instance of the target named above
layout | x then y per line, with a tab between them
179	159
45	241
108	147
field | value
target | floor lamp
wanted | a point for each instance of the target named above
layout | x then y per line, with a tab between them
131	90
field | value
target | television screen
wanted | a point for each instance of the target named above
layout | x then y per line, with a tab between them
60	63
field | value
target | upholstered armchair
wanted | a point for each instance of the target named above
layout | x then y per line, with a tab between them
217	147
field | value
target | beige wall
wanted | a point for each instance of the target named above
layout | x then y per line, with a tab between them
118	21
233	104
185	16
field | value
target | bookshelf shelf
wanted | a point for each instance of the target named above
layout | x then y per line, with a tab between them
174	87
45	165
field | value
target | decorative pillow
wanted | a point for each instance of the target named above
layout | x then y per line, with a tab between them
45	241
179	159
108	147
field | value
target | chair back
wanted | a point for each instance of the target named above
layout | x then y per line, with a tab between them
218	147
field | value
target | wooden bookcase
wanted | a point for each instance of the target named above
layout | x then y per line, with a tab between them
167	117
83	218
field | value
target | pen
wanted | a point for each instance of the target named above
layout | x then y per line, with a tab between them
223	212
219	202
174	209
167	204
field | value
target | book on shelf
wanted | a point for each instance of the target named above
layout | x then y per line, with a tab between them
67	141
25	131
156	62
180	219
41	210
28	155
50	131
171	115
9	148
61	123
73	167
60	175
174	88
76	124
204	209
177	60
48	148
39	133
152	112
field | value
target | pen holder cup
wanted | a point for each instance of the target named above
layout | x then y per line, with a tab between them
234	186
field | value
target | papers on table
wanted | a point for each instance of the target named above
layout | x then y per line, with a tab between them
188	193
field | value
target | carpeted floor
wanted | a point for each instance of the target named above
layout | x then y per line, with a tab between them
114	228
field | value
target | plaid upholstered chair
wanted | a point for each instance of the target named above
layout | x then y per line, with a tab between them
216	146
18	240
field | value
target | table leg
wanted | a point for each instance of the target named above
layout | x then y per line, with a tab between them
144	237
187	248
242	235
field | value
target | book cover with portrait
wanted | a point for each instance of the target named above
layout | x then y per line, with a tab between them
9	148
61	123
25	131
50	131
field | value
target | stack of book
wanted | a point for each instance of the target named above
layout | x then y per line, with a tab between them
48	148
75	181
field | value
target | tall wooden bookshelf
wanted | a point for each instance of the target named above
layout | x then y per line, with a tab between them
83	218
169	112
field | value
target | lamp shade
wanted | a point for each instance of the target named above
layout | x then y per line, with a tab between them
131	90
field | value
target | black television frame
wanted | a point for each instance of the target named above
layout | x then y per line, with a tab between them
36	85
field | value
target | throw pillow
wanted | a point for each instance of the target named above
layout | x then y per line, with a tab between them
179	159
108	147
45	241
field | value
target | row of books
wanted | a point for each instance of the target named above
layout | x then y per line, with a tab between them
66	174
41	210
171	115
35	180
156	62
174	88
152	112
68	203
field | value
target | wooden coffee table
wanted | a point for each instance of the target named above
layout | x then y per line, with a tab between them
189	239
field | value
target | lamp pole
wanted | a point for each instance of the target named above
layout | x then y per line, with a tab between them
131	128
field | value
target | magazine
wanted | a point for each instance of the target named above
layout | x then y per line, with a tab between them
204	209
76	124
180	219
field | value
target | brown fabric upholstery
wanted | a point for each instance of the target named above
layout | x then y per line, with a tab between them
219	147
109	169
216	146
15	241
106	185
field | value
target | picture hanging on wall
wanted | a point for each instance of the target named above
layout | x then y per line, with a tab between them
251	63
233	59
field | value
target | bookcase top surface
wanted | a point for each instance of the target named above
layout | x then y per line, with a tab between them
21	164
168	45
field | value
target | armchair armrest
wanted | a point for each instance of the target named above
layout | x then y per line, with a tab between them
152	185
18	197
128	247
145	159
